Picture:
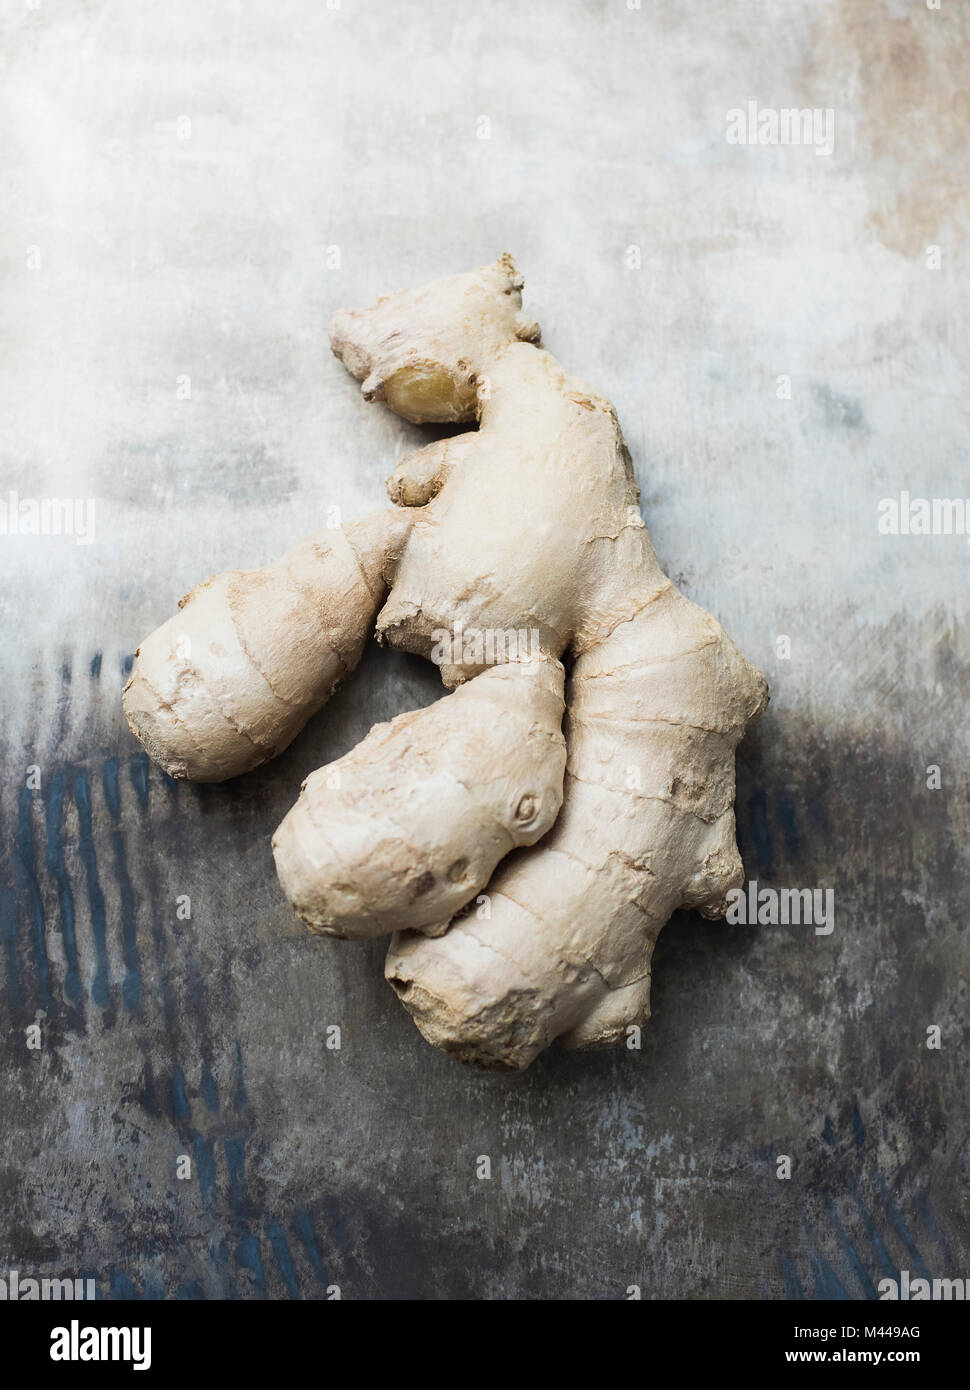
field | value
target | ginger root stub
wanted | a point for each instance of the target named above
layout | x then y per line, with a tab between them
522	860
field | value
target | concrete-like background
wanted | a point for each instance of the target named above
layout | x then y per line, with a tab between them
175	181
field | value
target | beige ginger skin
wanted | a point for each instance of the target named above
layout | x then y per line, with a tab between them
525	838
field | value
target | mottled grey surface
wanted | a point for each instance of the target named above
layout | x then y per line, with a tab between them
175	179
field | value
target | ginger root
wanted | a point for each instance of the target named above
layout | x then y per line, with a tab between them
408	825
524	871
229	681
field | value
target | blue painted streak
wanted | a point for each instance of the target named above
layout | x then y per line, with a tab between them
8	930
304	1229
248	1244
27	856
65	898
99	922
131	985
283	1257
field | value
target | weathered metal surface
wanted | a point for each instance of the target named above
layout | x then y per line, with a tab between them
176	181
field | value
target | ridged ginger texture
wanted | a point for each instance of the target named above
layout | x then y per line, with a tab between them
524	839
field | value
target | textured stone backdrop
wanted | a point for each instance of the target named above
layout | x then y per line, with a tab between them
189	190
